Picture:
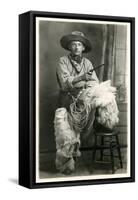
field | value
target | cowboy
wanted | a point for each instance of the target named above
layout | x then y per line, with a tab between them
73	71
73	75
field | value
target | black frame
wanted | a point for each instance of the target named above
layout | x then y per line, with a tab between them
27	99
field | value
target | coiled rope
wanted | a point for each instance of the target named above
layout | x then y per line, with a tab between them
79	113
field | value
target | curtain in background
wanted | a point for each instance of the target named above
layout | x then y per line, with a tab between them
108	54
114	57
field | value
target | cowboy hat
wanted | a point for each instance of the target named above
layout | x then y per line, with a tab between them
75	36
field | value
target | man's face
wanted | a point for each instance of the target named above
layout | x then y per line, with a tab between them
76	48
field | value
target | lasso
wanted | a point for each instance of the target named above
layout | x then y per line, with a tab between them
79	113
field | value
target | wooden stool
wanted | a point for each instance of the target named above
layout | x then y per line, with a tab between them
112	144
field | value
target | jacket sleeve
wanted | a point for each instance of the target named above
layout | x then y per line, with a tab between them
63	75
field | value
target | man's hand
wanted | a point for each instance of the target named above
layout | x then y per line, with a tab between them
82	79
87	76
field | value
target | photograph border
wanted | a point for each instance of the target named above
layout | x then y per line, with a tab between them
27	101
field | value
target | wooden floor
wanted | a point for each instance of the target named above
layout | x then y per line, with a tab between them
84	165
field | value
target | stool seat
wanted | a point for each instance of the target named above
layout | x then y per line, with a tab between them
114	132
112	144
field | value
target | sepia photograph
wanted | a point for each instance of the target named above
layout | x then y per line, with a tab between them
82	99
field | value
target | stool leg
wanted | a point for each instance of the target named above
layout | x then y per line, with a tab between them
94	150
102	143
112	158
119	151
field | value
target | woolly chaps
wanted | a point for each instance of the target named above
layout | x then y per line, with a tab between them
67	142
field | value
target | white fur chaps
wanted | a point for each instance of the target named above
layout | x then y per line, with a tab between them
102	97
67	142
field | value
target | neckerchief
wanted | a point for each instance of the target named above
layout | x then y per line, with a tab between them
78	58
76	62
